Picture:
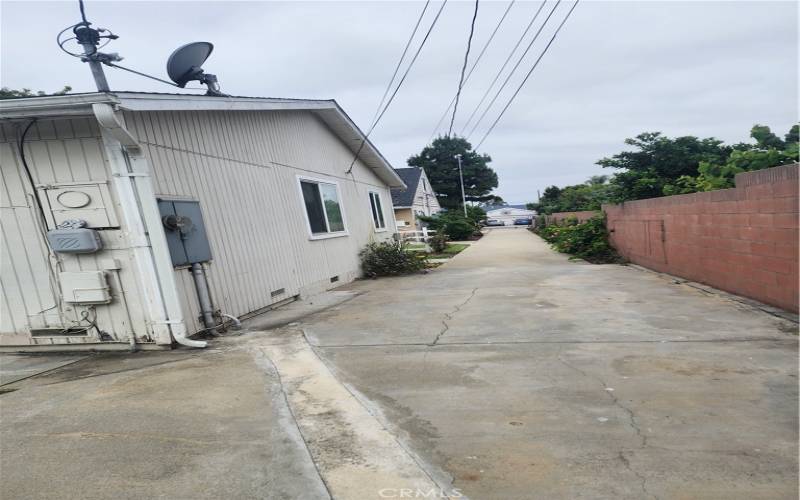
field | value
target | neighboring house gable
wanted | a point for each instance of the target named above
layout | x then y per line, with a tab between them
417	199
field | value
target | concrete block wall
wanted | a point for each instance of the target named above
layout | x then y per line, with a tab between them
582	216
742	240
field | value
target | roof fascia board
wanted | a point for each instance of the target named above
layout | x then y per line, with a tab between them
53	106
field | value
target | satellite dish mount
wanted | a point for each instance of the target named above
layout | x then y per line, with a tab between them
184	66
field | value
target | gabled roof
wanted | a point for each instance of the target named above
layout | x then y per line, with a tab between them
328	110
402	198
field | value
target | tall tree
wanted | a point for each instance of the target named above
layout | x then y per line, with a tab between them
441	166
658	161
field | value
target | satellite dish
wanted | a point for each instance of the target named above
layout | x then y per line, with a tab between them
184	66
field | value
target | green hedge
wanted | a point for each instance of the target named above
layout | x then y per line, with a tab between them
586	240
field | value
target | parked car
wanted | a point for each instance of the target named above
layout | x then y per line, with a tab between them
495	222
523	221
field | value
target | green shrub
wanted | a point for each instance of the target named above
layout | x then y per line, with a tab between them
454	224
389	258
587	240
438	242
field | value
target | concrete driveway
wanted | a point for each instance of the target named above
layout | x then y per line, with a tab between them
517	373
508	373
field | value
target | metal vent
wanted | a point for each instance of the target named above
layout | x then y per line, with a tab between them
279	291
60	332
334	279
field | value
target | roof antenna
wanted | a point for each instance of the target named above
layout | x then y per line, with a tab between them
183	65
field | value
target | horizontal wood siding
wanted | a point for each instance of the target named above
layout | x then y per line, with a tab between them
243	167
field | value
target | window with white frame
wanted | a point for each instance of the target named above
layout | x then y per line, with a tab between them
377	210
323	208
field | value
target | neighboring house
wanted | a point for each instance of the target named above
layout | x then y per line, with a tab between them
417	198
260	198
509	213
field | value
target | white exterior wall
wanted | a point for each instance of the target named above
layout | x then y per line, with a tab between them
57	152
425	201
243	167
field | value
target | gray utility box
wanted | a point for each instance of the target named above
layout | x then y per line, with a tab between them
185	230
74	240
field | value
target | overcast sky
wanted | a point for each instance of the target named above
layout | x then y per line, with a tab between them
615	70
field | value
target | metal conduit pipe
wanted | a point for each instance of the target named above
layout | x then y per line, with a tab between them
236	323
204	297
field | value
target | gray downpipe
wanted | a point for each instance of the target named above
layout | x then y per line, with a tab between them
204	297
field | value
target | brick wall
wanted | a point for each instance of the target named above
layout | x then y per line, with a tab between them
743	240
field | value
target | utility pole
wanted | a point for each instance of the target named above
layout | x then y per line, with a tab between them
461	176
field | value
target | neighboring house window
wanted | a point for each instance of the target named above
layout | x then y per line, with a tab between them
323	208
377	210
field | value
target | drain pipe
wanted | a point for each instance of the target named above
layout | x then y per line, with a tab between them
131	174
204	297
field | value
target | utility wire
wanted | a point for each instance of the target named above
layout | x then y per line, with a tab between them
399	84
477	60
514	69
400	62
83	12
528	75
463	67
503	67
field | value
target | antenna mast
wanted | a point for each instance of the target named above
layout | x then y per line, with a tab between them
184	64
89	39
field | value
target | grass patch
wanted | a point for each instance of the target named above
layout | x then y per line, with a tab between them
451	250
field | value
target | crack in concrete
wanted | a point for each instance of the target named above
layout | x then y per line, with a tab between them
632	423
449	316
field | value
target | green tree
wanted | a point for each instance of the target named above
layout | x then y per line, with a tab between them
7	93
747	158
793	137
439	162
658	161
765	139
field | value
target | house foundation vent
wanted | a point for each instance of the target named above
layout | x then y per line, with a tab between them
279	291
334	279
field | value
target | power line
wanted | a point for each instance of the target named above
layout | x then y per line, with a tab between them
529	74
514	69
464	67
400	62
503	67
399	84
477	60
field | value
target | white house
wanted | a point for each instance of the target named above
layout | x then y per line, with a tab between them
418	198
509	213
132	218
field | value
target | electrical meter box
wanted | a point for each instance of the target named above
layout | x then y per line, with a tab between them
84	287
90	202
185	231
74	240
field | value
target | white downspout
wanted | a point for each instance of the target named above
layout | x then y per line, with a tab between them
131	176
